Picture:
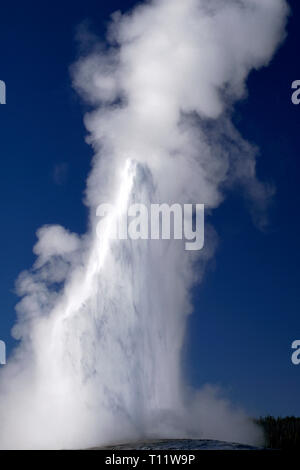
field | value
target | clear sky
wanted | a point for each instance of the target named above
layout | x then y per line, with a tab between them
247	309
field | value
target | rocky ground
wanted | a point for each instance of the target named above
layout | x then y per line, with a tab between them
179	444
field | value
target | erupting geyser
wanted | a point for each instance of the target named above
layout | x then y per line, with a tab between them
102	322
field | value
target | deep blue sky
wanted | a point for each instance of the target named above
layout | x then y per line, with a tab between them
247	310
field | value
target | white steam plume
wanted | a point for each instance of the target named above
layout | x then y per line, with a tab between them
102	323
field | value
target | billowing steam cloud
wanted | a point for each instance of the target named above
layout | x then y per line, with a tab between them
102	323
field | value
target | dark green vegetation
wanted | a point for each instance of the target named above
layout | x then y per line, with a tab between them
281	433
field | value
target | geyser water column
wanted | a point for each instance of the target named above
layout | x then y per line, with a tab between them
124	330
101	323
